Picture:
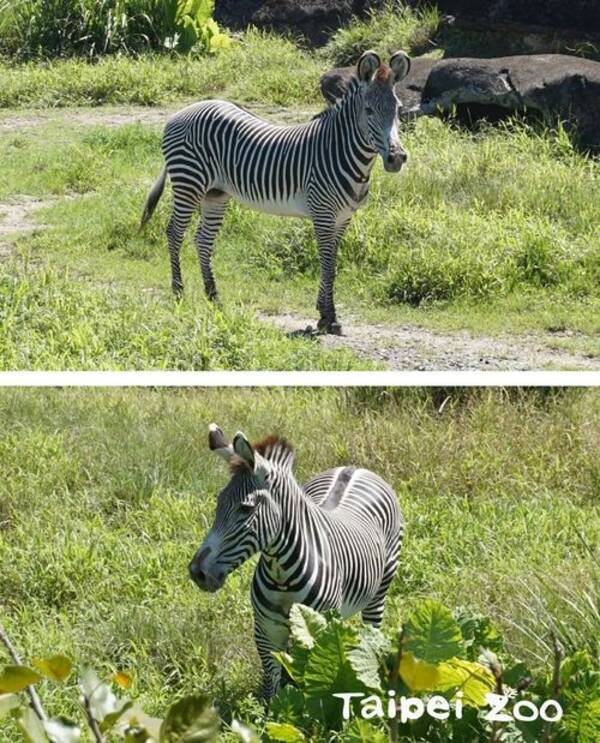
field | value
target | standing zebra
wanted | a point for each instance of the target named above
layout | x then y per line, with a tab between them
333	544
215	150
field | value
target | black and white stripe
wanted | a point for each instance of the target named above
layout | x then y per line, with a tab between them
215	150
333	544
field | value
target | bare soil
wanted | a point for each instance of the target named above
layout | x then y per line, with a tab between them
408	347
16	219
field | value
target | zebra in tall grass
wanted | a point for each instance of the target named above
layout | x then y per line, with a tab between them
215	150
332	544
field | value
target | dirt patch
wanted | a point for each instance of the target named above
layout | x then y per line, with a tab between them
16	219
405	347
11	122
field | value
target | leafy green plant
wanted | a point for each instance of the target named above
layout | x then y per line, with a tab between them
437	654
58	28
191	26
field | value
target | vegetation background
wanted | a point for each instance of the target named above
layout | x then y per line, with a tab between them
493	229
106	494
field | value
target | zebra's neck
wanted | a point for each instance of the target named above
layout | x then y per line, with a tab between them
348	133
294	543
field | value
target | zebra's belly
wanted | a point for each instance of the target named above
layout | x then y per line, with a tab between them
293	207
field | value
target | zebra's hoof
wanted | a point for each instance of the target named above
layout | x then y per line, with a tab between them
330	328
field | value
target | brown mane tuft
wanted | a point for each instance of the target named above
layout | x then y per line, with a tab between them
264	447
383	74
270	442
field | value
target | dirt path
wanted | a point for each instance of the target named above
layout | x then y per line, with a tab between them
16	219
13	121
407	347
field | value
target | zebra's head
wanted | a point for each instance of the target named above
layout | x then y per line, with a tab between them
248	518
379	114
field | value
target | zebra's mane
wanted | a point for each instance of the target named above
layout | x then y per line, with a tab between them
275	449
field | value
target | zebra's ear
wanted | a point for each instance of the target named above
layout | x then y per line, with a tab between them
218	443
367	66
400	64
243	448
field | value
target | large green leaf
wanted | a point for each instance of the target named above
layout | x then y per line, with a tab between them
478	632
473	679
191	720
583	722
305	625
245	733
365	659
284	732
8	702
14	679
103	703
288	704
31	726
328	671
135	718
62	731
432	634
294	663
55	667
361	731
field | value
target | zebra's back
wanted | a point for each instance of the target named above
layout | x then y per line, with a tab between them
357	494
218	145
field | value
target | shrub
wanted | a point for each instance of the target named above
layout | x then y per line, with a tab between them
59	28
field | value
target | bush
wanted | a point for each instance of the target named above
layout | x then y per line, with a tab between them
343	674
393	27
59	28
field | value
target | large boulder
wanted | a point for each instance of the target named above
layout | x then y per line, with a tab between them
557	86
313	19
577	15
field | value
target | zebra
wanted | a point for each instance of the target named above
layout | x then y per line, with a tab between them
332	544
215	150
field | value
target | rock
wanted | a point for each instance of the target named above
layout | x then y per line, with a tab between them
409	90
313	19
557	86
576	15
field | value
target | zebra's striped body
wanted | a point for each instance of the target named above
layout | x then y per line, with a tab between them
333	544
215	151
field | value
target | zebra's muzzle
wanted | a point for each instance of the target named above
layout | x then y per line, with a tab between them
203	578
206	581
395	160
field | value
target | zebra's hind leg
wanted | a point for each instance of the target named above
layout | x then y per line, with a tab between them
213	211
373	612
178	224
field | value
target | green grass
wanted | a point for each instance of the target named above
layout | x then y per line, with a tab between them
496	231
105	495
258	67
395	26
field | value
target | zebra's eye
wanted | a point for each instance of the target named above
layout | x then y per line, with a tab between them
368	110
246	508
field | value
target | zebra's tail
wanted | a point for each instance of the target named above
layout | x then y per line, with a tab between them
154	197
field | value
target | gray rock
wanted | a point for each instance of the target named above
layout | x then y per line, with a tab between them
581	15
558	86
313	19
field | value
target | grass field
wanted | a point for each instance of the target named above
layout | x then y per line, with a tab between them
495	231
105	495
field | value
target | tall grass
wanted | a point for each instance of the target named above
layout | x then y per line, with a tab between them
106	494
392	27
90	28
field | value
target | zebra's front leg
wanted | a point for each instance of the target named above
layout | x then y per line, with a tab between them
213	211
329	232
270	639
